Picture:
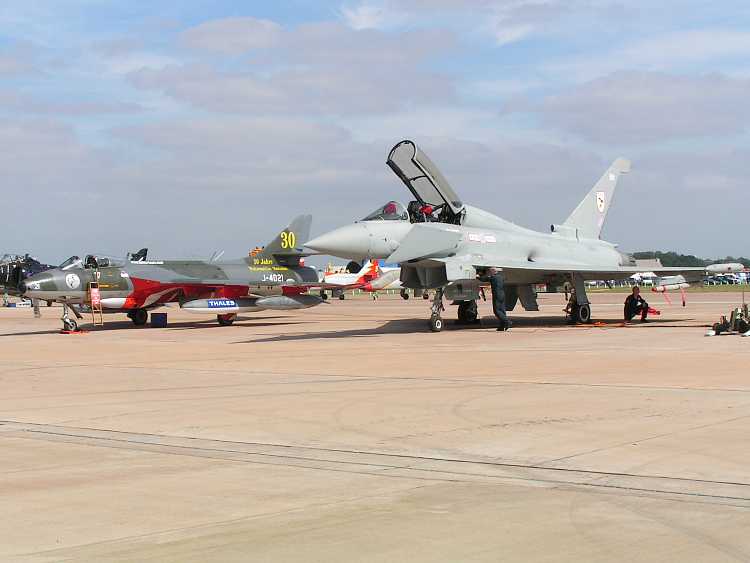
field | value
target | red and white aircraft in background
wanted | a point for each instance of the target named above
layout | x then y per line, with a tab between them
372	277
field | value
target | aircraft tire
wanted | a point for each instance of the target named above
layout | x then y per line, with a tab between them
226	320
425	296
70	325
139	317
583	314
436	323
404	294
342	297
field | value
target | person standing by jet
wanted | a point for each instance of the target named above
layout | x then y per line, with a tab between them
497	284
635	304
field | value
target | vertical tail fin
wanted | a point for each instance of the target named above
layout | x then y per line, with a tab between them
588	218
289	241
370	271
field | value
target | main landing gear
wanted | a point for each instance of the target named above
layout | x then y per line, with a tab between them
579	307
436	321
226	320
581	314
468	313
138	316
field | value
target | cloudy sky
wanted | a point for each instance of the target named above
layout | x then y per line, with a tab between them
191	126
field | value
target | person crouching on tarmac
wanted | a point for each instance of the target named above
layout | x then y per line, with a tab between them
497	284
635	304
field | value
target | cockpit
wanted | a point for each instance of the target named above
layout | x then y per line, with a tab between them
70	263
391	211
415	212
91	262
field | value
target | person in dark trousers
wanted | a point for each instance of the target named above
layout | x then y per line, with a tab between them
497	284
635	304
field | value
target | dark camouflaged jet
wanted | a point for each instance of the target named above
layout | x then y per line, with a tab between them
273	277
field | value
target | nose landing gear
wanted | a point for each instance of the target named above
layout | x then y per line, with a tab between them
436	321
69	325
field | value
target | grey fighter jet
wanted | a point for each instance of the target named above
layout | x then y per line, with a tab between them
272	278
445	245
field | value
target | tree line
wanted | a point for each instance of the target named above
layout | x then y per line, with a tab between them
676	259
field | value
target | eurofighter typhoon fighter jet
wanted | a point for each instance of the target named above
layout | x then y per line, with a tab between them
446	245
271	278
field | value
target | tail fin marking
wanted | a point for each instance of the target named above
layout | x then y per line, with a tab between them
588	218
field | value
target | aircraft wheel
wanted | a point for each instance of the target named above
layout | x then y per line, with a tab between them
583	314
425	296
404	294
324	296
467	312
226	320
436	323
342	297
139	317
70	325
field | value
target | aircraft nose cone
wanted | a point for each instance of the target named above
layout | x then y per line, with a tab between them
31	286
351	241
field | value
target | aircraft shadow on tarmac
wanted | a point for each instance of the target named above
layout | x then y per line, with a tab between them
247	322
408	326
31	333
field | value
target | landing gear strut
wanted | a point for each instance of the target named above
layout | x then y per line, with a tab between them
579	307
69	324
436	321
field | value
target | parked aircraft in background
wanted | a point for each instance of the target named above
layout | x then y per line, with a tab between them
14	269
371	277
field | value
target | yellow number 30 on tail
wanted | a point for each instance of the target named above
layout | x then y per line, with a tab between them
288	239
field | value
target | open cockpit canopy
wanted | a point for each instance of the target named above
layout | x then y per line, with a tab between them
423	178
391	211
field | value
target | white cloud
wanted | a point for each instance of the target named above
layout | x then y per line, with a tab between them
365	16
232	36
681	51
21	102
504	21
316	69
634	107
